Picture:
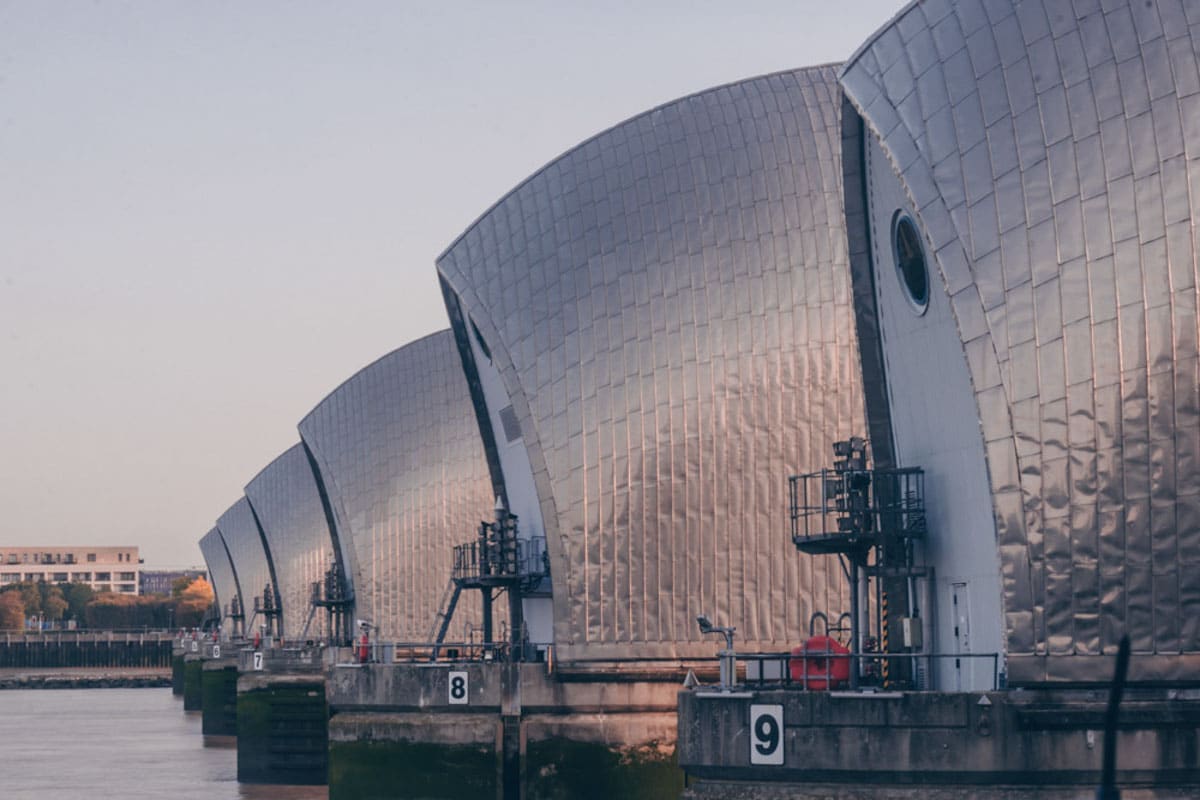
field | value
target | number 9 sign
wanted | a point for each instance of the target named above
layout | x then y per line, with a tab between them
766	735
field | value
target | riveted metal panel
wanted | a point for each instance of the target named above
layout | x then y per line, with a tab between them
399	453
220	572
693	263
1083	175
286	501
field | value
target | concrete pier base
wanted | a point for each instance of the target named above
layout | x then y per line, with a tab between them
193	697
282	718
719	790
177	655
1043	744
504	731
218	692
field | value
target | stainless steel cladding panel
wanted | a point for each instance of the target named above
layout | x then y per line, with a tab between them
399	452
1052	152
285	498
242	537
220	572
669	307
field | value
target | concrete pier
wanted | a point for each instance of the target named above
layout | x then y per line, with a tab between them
282	716
783	743
218	689
178	651
193	681
492	730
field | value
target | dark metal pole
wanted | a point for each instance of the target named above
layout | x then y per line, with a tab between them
487	615
516	617
1108	784
854	648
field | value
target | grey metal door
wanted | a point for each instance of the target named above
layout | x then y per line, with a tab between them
961	606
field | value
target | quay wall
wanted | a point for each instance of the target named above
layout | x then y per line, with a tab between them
67	649
963	743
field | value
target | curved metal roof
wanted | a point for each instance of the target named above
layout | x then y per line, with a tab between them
1052	152
398	450
220	571
242	537
286	500
669	307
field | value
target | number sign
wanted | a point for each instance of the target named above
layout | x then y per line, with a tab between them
195	646
460	687
258	660
766	735
216	651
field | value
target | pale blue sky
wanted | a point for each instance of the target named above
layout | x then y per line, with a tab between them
212	213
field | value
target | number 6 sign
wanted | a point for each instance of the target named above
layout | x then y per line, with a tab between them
766	735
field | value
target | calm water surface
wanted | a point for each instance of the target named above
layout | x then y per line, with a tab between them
119	743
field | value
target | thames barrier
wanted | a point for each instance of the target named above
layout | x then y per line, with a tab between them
830	433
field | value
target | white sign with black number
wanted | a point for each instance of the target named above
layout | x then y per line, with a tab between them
216	651
195	646
459	689
258	660
766	735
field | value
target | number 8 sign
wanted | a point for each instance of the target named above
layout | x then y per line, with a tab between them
766	735
459	689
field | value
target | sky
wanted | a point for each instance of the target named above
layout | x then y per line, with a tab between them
213	213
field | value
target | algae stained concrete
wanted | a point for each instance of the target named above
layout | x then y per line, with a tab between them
193	698
975	741
282	729
218	697
177	673
520	733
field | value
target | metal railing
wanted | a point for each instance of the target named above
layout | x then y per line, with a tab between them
865	500
422	652
774	670
475	560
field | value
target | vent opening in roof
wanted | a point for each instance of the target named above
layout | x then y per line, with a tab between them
910	261
512	428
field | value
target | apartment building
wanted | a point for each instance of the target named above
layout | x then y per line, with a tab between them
105	569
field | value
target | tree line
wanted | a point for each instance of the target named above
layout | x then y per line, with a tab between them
185	607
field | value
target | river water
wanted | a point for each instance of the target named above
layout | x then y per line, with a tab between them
119	743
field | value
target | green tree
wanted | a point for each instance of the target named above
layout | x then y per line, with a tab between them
111	610
77	595
122	611
12	611
54	604
31	596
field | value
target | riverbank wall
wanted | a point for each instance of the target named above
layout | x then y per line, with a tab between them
85	679
768	744
103	649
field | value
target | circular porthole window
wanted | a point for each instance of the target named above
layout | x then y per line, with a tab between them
910	261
